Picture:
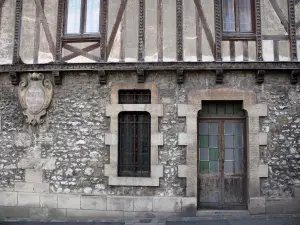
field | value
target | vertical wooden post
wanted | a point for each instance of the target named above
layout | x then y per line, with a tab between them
218	30
199	37
259	53
160	30
17	31
292	30
37	32
103	31
59	30
179	34
141	39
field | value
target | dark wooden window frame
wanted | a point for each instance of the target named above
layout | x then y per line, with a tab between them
136	169
82	36
136	96
236	35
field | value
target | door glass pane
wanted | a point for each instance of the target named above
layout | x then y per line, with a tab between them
238	141
229	154
238	128
92	16
228	15
229	141
245	16
213	141
213	128
203	128
204	166
204	141
213	166
74	14
228	128
238	157
213	154
228	167
204	154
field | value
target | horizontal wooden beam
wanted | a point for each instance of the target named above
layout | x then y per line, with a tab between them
152	66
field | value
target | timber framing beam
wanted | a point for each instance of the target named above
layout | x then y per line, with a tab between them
17	32
152	66
292	29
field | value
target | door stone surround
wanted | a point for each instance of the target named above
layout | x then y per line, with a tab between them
255	170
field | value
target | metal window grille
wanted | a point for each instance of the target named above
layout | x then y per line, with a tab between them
134	144
134	97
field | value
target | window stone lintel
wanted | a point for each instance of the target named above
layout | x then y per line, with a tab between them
155	110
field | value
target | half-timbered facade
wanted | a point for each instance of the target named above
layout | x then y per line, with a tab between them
142	108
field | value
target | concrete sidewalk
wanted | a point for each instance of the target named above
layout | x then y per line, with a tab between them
201	220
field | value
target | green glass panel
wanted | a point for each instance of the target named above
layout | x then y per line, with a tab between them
213	154
213	128
204	167
221	109
204	141
203	128
213	141
214	166
238	108
204	154
229	108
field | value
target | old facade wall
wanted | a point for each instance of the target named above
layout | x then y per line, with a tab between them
75	127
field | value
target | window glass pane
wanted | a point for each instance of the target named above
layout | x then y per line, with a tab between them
203	141
228	128
73	19
213	128
229	108
214	166
229	141
213	154
213	141
228	166
238	141
204	166
92	16
238	157
203	128
245	16
238	128
228	15
229	154
204	154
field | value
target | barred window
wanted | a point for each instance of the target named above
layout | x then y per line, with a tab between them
82	17
134	144
134	97
238	16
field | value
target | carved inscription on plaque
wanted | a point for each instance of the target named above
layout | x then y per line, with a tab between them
35	94
35	97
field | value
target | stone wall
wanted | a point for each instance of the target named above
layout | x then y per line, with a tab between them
70	153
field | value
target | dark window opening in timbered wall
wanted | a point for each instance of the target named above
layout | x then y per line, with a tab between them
134	97
134	144
82	17
238	16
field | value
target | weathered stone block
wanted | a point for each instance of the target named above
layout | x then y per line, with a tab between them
119	203
24	187
157	139
143	204
283	206
68	201
80	214
111	139
166	204
48	200
28	199
8	198
263	138
189	206
263	171
182	170
57	214
41	187
33	176
257	205
297	192
93	202
38	213
16	212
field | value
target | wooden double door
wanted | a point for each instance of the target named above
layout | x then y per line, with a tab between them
222	163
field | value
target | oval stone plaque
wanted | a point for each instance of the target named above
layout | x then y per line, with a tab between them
35	97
